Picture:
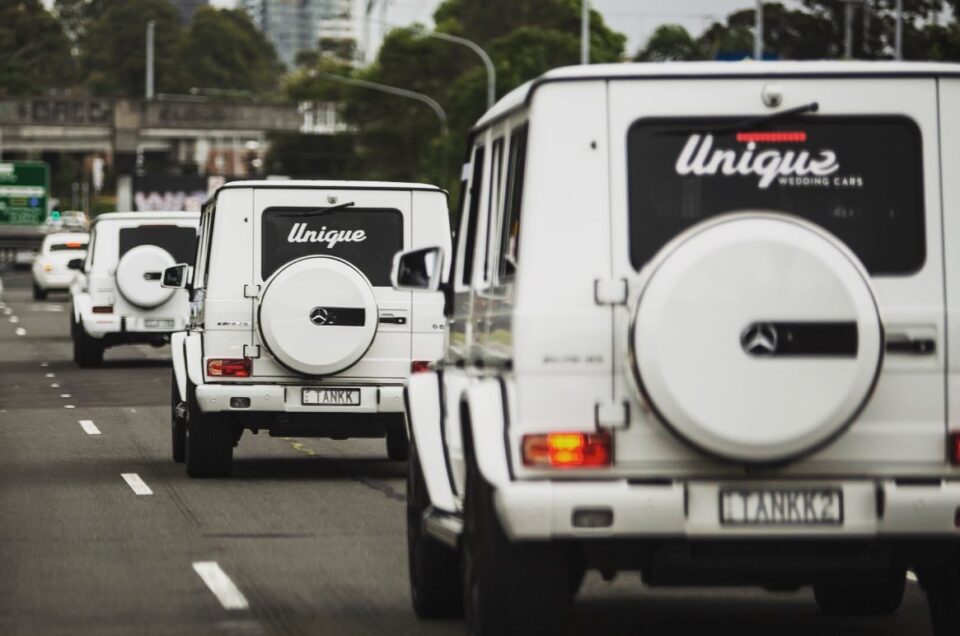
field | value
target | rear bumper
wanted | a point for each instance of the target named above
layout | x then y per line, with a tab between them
54	281
276	398
690	510
129	328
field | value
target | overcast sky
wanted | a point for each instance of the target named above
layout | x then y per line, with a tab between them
634	18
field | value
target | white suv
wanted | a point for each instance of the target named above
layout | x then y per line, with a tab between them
703	324
296	328
117	297
50	267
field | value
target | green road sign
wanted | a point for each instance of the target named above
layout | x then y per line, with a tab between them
24	187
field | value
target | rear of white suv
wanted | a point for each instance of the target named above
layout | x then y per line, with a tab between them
117	297
51	271
297	329
727	341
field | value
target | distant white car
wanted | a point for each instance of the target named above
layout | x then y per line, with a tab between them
50	271
117	297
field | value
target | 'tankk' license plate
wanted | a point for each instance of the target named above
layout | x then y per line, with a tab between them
158	323
331	397
789	507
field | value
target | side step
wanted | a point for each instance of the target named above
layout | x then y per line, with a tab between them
443	526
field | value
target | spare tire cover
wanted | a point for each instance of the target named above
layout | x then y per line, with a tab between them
318	315
756	337
139	274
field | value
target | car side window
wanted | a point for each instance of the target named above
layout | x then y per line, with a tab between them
473	216
493	204
513	200
91	248
203	248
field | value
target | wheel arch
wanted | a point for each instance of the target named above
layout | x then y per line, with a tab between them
483	418
423	397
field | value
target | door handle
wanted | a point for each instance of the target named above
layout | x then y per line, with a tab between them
904	344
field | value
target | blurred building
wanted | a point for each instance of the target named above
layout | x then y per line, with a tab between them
187	8
296	25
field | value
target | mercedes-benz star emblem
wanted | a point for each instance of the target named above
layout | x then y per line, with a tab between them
319	316
760	339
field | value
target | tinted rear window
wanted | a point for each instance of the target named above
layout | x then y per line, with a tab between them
181	242
368	238
860	178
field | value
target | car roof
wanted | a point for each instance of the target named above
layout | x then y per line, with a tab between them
330	185
521	96
146	216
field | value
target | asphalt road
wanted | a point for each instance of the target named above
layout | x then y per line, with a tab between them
307	537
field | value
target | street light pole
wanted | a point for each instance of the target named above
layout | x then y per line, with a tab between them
476	48
758	36
585	32
151	25
899	35
848	38
391	90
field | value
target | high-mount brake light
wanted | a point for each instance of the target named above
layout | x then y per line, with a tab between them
775	137
419	366
954	446
568	450
103	309
229	367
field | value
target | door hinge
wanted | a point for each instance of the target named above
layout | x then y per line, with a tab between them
251	351
251	291
610	291
612	415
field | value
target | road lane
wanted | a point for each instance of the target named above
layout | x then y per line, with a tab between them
310	532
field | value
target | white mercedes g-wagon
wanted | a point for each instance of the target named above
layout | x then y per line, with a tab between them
296	328
704	324
117	297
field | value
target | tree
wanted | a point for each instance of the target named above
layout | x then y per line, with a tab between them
113	49
670	43
223	49
34	51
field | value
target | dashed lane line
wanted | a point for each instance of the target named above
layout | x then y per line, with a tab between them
136	484
89	427
69	406
51	375
14	320
65	395
220	584
20	331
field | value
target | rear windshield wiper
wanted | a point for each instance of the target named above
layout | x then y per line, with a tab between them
755	122
348	204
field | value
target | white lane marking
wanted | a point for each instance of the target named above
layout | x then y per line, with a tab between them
69	406
44	364
20	331
911	576
14	320
136	484
89	427
54	385
8	311
51	375
220	584
65	395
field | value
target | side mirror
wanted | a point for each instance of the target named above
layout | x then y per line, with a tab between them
175	276
75	263
419	269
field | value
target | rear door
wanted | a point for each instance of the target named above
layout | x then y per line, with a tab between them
281	219
883	201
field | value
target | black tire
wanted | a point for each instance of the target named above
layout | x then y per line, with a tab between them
73	339
178	427
509	588
435	585
38	293
880	597
398	446
88	351
209	440
943	597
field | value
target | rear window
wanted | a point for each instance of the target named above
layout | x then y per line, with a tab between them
65	247
180	242
860	178
367	238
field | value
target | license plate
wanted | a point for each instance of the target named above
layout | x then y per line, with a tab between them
781	507
331	397
158	323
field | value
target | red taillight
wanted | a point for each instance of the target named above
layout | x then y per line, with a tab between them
229	367
103	309
419	366
568	450
954	441
74	246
